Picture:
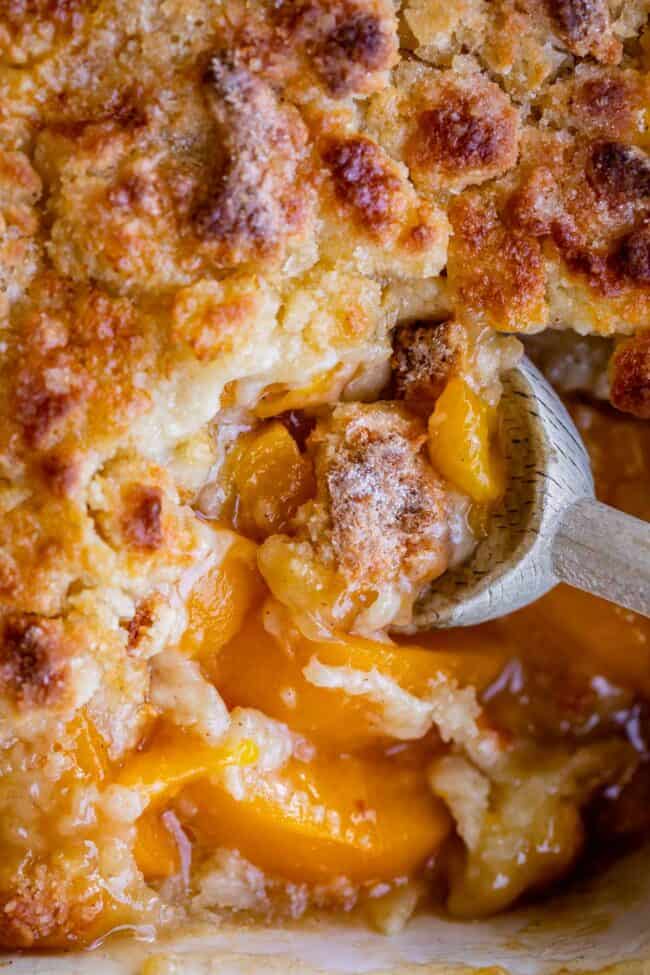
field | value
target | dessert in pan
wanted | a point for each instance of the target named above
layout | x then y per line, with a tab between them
262	268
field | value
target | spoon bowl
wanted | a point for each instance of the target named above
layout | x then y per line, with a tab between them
547	528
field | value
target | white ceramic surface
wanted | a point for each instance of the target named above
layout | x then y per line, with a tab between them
587	929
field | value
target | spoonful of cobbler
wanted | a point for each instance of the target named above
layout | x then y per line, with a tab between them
547	528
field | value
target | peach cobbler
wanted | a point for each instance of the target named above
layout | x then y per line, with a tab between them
262	267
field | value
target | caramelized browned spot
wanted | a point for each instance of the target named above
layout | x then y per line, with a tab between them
607	270
582	217
630	376
42	405
32	665
604	100
127	107
593	263
256	202
358	41
633	255
363	180
586	28
139	623
423	357
535	206
345	40
75	352
60	473
617	171
457	134
142	518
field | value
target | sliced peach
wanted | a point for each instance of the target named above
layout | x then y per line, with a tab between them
173	759
324	388
258	669
155	849
597	637
366	820
90	750
461	443
267	479
220	600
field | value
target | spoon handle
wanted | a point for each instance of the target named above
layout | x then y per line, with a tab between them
605	552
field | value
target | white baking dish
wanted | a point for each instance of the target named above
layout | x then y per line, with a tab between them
594	926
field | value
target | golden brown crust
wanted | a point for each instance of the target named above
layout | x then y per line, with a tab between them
451	128
138	625
29	28
43	910
587	199
20	189
42	541
201	185
390	228
454	136
71	371
260	196
342	48
600	103
496	272
345	41
217	318
633	255
363	181
526	44
135	510
577	203
142	517
618	172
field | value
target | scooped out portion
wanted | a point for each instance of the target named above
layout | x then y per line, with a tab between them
378	529
384	496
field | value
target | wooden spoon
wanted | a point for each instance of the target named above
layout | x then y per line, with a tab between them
548	528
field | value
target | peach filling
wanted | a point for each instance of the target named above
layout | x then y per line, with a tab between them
462	443
346	808
353	800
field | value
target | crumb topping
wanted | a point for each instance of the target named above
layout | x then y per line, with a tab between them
385	504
